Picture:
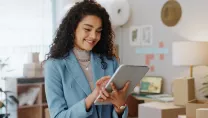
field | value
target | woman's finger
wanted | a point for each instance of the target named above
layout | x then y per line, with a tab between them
113	96
103	79
102	95
126	86
105	92
100	100
114	89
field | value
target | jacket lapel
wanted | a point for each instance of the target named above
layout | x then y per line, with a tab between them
98	72
77	73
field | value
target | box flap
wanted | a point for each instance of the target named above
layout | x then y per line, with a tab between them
159	105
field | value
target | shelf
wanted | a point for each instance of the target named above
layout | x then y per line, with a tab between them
37	109
29	106
29	80
45	104
31	84
35	105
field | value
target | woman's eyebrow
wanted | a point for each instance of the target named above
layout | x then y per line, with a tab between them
88	25
92	26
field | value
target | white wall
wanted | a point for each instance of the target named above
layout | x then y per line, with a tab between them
193	26
25	22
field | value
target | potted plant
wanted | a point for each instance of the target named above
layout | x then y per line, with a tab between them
8	98
204	88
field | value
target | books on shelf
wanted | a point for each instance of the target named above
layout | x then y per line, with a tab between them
29	97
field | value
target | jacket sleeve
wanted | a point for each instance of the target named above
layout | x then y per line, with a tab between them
114	114
58	107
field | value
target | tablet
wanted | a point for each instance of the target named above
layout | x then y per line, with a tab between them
123	74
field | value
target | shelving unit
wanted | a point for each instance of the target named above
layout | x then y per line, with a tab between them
37	109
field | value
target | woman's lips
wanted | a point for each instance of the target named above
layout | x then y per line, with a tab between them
91	42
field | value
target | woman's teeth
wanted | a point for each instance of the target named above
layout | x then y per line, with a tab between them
91	42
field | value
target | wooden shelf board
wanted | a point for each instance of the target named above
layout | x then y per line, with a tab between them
31	84
29	106
44	104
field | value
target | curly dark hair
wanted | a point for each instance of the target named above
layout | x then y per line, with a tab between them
65	34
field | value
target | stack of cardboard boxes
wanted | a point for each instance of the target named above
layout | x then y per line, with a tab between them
160	110
185	104
194	109
200	113
33	67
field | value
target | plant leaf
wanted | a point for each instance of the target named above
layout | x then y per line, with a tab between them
204	87
1	104
205	77
204	83
6	59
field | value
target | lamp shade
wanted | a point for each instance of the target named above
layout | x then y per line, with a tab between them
186	53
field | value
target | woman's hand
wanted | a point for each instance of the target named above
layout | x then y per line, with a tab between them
118	97
91	98
100	84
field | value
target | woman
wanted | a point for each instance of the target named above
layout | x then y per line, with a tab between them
76	69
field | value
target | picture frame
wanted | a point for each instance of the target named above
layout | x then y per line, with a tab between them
151	84
141	35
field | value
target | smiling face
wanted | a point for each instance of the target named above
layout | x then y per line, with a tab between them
88	32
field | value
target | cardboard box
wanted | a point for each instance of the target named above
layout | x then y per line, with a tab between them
183	91
160	110
182	116
33	70
193	105
47	115
202	113
33	57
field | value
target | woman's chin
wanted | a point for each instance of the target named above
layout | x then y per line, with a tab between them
88	48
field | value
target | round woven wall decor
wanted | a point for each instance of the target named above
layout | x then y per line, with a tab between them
171	13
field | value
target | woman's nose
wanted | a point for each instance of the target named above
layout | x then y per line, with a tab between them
93	35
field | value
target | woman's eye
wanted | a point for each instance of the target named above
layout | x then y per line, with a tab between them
99	31
87	29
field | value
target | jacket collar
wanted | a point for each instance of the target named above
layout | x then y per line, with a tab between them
77	73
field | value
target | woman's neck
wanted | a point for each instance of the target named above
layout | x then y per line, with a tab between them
81	55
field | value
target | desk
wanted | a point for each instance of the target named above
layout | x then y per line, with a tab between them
145	99
148	99
133	106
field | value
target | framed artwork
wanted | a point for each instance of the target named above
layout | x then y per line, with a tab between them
141	35
151	84
134	36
